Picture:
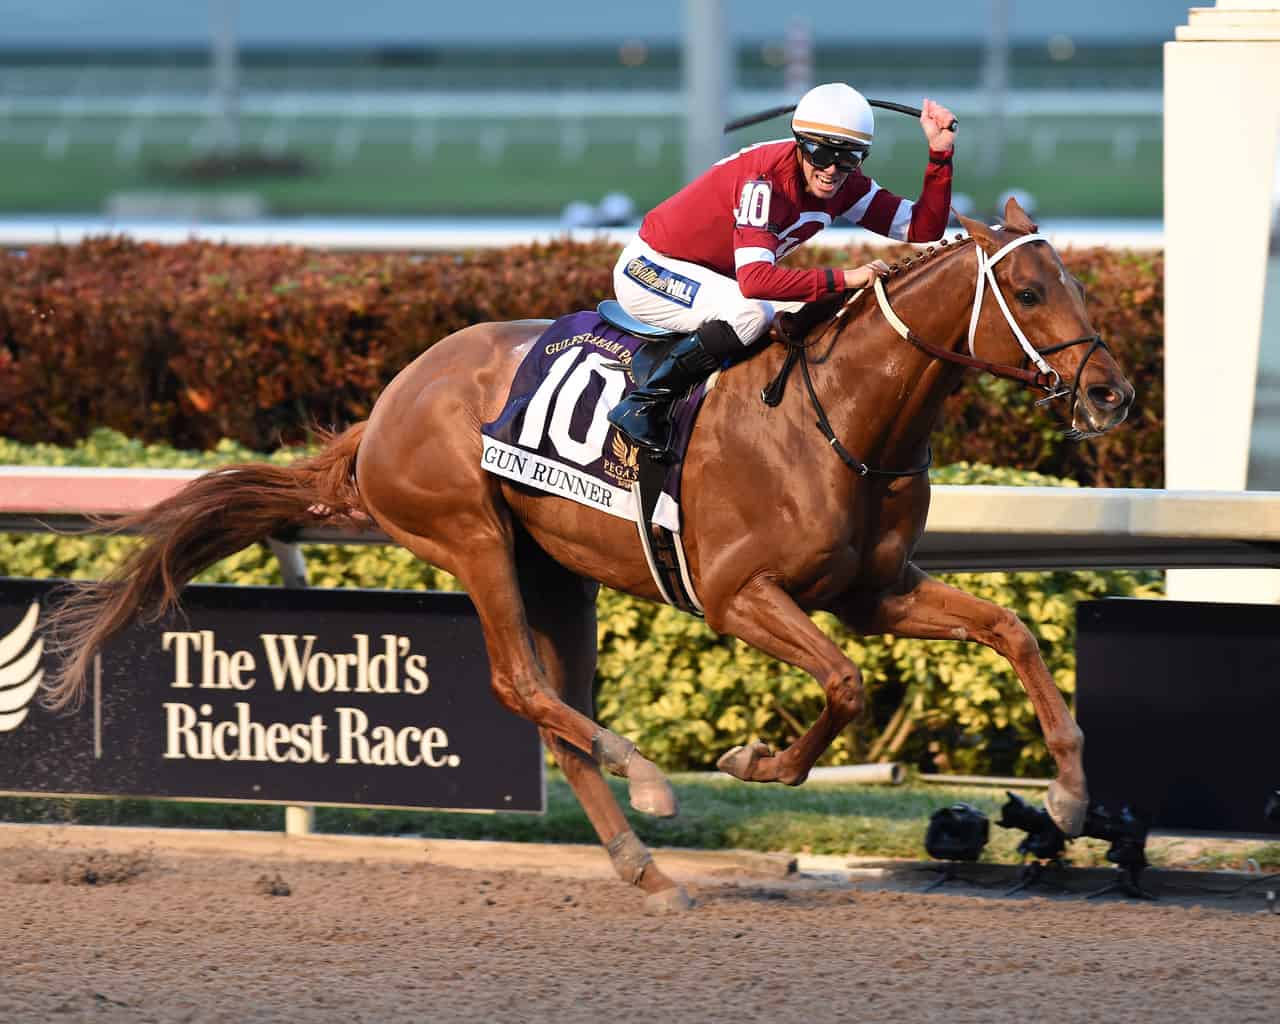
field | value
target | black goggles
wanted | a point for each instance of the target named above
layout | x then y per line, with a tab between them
822	156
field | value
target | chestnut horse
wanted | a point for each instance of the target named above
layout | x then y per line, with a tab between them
836	533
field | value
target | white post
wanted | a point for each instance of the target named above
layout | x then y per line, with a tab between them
298	820
226	86
798	78
995	88
1221	128
705	58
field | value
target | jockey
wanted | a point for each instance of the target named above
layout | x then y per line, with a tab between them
705	260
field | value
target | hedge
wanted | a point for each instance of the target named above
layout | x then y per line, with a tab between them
683	693
188	344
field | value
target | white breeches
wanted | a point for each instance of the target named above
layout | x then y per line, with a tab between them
679	296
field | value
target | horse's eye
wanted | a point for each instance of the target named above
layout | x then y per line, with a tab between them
1028	297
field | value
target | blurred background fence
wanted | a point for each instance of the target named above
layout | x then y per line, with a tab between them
476	129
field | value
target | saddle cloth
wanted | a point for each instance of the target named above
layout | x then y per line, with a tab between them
552	434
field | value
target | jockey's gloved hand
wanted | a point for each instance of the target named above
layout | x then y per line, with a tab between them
863	276
936	120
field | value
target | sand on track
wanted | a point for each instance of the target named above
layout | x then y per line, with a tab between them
140	929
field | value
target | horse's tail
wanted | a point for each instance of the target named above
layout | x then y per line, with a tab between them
213	516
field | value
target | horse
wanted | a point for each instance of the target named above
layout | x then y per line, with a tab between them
837	535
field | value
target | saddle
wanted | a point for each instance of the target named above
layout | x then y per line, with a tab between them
657	342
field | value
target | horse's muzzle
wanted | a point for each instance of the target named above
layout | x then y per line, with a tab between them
1102	406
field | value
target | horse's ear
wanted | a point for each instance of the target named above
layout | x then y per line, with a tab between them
980	233
1015	217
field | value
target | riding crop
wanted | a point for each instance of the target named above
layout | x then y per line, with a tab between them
765	115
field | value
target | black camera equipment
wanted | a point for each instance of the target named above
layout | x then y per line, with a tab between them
955	835
1126	831
1043	843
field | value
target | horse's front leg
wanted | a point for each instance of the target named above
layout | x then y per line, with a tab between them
763	615
928	609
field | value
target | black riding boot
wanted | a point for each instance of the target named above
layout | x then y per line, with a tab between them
645	414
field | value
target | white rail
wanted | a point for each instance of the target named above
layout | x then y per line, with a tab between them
971	528
459	235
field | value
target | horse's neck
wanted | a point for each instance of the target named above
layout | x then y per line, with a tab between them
881	392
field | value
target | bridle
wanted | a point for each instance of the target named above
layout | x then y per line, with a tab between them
987	275
1043	377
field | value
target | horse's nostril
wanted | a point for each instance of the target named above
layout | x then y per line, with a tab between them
1102	397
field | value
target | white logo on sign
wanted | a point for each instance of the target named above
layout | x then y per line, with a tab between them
20	671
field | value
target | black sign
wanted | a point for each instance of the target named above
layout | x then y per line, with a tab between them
340	697
1180	706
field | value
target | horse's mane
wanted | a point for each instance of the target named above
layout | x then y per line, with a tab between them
913	261
797	326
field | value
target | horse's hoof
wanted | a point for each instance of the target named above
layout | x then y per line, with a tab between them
740	762
668	901
654	796
1067	811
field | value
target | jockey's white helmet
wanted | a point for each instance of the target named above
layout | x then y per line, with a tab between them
837	115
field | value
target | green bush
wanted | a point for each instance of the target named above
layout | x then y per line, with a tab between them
683	693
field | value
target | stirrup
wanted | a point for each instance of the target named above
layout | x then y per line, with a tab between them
660	451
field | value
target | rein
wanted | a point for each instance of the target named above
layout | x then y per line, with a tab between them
1043	377
798	351
857	465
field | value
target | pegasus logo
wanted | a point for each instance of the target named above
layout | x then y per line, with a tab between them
627	455
624	468
20	673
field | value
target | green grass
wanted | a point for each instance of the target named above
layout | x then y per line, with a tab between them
715	813
520	168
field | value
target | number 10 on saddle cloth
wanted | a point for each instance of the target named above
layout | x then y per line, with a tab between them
552	434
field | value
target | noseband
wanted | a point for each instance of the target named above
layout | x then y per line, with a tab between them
1094	342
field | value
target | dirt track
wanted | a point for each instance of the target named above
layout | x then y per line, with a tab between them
171	935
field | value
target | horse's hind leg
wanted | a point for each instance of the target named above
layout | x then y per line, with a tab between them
420	477
562	615
481	551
